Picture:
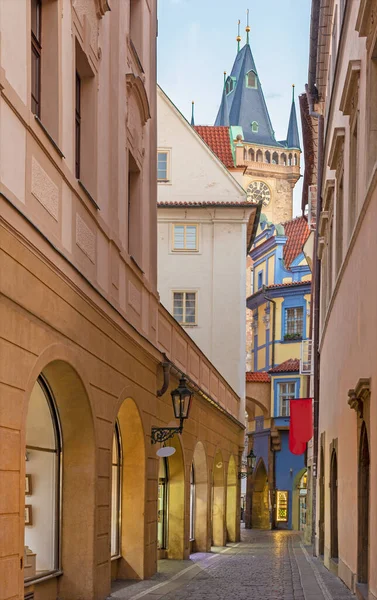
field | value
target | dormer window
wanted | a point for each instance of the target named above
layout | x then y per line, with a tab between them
230	85
254	127
251	80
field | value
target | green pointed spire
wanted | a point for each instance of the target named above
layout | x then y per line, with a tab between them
238	38
247	28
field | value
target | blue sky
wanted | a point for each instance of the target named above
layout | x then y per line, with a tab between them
197	43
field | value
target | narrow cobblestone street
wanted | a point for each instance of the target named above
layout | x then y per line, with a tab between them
271	565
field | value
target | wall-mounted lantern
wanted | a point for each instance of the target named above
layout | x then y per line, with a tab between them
251	461
181	400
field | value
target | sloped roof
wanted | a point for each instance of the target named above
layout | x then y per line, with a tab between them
178	203
257	377
292	365
297	232
293	139
246	104
218	139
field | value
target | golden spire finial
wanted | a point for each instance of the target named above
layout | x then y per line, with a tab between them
247	24
238	38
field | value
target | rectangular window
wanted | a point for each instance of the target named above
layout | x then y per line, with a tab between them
260	279
184	307
36	50
163	166
286	392
294	322
78	126
339	226
185	237
352	204
134	210
251	282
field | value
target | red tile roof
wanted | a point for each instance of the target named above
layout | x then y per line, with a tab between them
218	139
292	365
258	377
289	284
297	232
206	203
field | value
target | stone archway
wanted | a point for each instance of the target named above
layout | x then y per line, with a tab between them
218	501
363	507
132	525
334	505
232	525
260	516
299	498
78	468
202	542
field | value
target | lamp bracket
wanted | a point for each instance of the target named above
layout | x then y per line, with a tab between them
243	474
161	434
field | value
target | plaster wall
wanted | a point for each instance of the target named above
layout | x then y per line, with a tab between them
348	337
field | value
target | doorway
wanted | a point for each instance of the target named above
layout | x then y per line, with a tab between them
334	506
363	508
260	518
162	507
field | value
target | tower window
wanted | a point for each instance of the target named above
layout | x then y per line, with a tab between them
251	80
230	84
254	127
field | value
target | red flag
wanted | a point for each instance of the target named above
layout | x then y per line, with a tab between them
301	426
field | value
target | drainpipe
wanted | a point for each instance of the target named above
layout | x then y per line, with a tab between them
312	95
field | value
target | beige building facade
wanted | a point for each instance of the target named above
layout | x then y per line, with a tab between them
88	355
345	42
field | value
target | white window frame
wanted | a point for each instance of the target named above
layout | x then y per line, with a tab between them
295	320
285	397
184	292
166	151
184	249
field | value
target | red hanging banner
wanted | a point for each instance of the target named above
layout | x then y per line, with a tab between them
301	425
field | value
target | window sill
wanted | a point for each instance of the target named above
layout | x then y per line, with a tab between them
294	341
51	139
185	250
188	325
88	194
39	579
164	181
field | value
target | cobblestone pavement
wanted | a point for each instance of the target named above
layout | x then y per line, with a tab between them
268	565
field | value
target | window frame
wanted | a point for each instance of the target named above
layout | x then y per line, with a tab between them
299	335
254	126
279	405
184	292
184	249
36	51
55	419
252	87
230	80
260	280
166	151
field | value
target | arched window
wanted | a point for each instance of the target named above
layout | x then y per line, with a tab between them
251	154
192	502
267	157
254	127
295	162
283	159
259	156
290	160
245	153
229	85
42	484
116	478
275	158
251	79
162	514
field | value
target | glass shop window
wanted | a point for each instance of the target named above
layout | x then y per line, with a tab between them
42	484
115	492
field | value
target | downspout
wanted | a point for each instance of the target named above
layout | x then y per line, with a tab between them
312	95
273	483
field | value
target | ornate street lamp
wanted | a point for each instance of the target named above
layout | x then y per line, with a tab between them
181	400
251	460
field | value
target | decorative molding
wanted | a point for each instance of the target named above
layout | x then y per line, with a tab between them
336	150
135	84
359	395
366	18
328	193
348	102
323	220
102	7
321	247
44	189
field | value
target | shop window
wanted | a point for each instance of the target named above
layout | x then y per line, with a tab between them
42	484
251	80
192	503
294	323
116	470
162	510
286	392
185	237
184	307
163	166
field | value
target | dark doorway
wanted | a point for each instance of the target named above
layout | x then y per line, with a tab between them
334	505
321	547
363	508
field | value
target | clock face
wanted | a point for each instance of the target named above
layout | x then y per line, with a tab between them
258	191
